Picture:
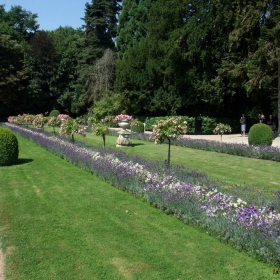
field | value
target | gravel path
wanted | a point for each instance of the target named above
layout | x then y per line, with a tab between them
227	138
2	270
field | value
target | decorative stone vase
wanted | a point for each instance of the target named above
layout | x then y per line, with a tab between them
123	140
124	124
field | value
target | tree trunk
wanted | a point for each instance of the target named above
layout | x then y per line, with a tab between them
278	60
104	140
278	75
168	156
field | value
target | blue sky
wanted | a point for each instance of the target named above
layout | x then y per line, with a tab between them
52	13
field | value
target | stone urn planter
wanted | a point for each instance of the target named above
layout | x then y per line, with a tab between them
123	140
124	124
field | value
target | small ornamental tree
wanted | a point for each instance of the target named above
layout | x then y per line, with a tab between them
53	122
80	121
100	129
70	127
172	128
39	121
221	129
28	119
91	120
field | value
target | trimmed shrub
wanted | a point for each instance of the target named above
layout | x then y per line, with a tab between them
137	126
260	135
8	147
208	125
54	113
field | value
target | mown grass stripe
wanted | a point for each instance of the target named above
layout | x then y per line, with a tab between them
60	222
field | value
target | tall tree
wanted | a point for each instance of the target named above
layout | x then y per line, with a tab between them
100	26
263	65
21	20
12	76
40	61
100	33
17	26
68	43
132	24
101	76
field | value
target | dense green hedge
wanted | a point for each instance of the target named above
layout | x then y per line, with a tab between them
137	128
8	147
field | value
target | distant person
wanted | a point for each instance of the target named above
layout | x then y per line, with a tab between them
271	122
243	125
275	119
262	118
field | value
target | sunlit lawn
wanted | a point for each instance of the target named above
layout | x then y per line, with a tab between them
229	168
60	222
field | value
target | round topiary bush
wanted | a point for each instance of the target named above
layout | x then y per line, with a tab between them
8	147
137	126
54	113
260	135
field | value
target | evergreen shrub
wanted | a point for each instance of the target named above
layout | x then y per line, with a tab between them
54	113
208	125
260	135
8	147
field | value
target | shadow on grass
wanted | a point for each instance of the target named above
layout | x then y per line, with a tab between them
138	144
24	160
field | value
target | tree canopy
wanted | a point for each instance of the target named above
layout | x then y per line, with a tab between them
145	57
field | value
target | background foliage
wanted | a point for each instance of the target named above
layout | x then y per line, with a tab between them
150	58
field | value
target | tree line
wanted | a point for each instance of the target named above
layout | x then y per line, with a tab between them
145	57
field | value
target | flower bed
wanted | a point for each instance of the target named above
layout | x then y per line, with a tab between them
250	227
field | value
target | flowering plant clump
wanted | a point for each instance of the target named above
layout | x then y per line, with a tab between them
63	116
54	122
28	119
134	122
71	127
108	120
123	117
172	128
222	129
100	129
91	120
13	119
80	121
39	121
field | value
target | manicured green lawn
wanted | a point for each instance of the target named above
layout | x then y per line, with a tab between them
229	168
60	222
